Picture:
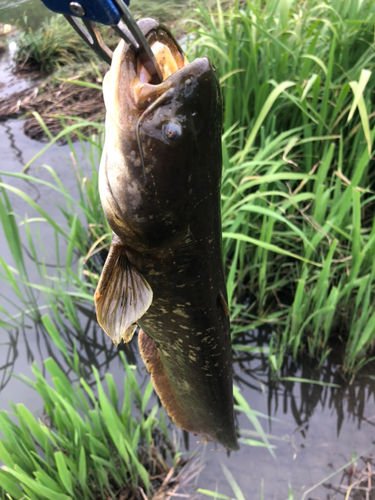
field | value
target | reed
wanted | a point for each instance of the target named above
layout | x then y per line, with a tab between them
298	188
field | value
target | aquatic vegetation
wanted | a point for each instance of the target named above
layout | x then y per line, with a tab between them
298	191
86	445
53	45
82	237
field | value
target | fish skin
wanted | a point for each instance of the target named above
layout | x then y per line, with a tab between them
167	225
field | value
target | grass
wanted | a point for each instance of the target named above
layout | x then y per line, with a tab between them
298	187
51	457
84	236
168	11
297	205
86	445
53	45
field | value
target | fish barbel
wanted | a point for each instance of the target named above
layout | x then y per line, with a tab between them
159	184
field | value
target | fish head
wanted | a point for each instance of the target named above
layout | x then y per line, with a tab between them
159	147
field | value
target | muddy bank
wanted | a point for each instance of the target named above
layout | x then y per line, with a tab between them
25	91
55	104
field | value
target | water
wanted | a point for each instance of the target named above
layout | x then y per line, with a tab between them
314	429
10	82
23	12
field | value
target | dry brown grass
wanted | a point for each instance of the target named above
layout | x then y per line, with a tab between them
357	482
52	102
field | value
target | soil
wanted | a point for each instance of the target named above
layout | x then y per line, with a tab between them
52	99
53	103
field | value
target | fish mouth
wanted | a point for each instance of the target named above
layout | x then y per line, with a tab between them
166	49
129	90
169	56
129	84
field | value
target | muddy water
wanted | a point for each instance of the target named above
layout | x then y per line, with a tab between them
314	429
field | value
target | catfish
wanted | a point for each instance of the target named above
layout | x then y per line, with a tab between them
159	182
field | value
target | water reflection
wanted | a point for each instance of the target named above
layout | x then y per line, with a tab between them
10	351
90	346
13	144
298	421
329	388
301	400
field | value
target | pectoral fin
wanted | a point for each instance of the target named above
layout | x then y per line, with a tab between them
122	296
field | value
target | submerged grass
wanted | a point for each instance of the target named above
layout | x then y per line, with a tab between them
361	484
298	192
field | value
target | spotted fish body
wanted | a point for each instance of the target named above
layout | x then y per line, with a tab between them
160	189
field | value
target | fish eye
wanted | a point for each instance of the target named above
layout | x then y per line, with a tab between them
172	131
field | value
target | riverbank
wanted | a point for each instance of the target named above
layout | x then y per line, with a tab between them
43	99
52	57
51	105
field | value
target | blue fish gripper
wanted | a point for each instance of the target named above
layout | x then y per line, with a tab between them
103	12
